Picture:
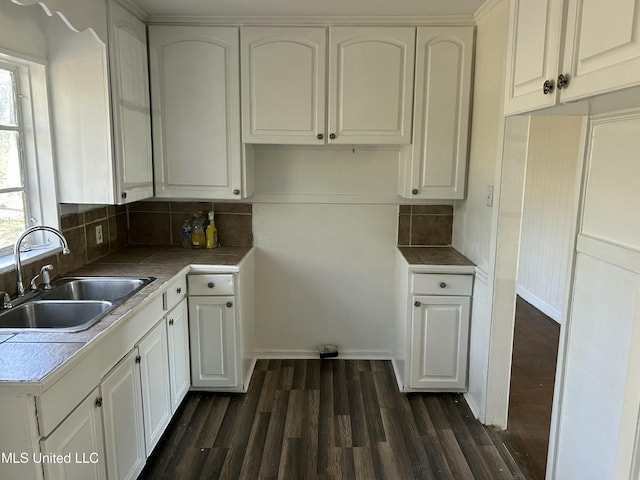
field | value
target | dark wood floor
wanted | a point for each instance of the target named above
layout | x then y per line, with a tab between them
330	419
535	349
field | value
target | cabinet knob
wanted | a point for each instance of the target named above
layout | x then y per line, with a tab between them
138	358
210	285
320	136
563	81
415	191
236	192
98	402
229	304
417	304
332	136
443	285
547	87
171	321
124	195
179	290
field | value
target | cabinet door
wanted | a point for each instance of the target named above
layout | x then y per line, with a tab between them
154	375
179	370
283	85
371	84
212	334
122	415
195	94
441	119
80	437
440	338
602	47
533	55
130	103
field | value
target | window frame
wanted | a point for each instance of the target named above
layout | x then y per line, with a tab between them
36	146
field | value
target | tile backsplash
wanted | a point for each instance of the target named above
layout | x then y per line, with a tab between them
160	223
80	231
425	225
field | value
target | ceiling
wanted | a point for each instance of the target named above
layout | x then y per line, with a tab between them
309	8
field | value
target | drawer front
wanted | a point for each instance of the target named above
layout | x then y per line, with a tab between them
211	284
175	292
441	284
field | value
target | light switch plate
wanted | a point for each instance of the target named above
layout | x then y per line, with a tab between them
489	195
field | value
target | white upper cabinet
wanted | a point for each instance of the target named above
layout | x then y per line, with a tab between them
368	98
533	54
195	94
561	51
435	166
131	106
100	111
371	84
283	84
602	47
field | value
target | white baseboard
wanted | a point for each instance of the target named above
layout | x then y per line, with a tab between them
539	304
307	354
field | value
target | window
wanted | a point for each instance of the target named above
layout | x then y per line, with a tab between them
27	183
14	212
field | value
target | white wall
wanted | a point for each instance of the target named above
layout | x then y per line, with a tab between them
325	224
598	394
548	216
473	220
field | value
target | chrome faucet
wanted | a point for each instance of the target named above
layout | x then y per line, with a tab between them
16	250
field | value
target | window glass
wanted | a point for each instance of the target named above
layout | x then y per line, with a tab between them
7	98
13	191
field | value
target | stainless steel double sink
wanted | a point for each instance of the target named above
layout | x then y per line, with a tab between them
71	305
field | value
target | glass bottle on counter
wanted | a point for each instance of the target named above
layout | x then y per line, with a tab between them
198	239
186	234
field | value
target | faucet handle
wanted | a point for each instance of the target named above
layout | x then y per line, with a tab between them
5	301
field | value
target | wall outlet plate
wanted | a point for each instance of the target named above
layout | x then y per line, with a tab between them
99	237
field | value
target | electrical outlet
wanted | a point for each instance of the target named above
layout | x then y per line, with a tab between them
99	238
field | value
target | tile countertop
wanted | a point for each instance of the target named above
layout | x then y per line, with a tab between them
19	351
436	260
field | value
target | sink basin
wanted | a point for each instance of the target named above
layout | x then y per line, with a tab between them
54	315
110	289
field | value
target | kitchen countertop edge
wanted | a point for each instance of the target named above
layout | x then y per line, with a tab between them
137	302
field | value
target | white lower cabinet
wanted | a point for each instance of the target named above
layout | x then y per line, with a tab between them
178	339
79	440
439	342
432	319
154	375
122	415
212	330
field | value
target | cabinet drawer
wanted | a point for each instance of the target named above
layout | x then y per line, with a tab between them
212	284
175	292
441	284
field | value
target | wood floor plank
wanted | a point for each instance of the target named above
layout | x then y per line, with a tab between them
340	391
372	408
342	429
299	375
251	463
309	440
363	463
327	420
326	425
295	414
359	428
275	433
